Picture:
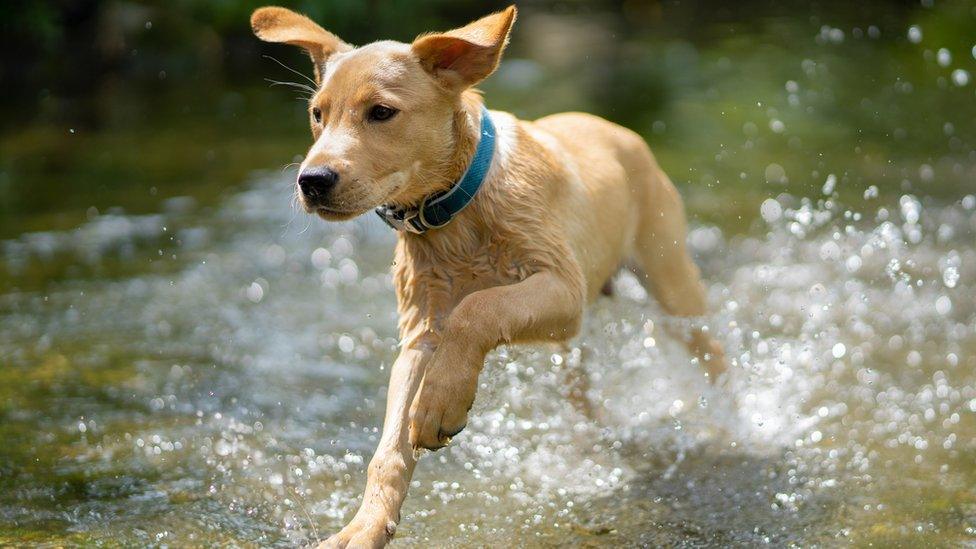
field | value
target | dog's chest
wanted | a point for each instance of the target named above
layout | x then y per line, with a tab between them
486	265
441	277
491	264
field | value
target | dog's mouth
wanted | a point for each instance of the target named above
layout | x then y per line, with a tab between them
328	210
336	214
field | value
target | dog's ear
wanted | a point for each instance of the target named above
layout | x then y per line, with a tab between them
274	24
462	57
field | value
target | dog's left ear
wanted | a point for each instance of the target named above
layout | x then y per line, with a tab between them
461	58
274	24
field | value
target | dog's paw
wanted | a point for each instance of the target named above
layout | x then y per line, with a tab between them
360	534
440	408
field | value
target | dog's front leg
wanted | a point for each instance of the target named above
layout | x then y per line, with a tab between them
389	472
543	307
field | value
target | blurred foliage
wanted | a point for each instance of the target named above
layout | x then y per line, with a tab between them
70	47
123	103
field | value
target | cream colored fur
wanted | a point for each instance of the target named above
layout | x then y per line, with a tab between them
568	200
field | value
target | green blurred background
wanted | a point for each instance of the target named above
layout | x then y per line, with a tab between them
123	104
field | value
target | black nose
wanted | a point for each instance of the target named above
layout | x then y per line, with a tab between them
316	182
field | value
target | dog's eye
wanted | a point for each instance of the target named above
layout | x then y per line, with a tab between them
380	113
317	115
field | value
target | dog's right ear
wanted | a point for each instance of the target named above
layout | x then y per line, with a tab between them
274	24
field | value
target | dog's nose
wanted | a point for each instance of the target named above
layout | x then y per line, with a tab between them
317	182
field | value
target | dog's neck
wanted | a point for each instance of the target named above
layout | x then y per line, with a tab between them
429	180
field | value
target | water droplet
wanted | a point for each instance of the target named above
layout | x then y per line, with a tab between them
943	57
950	276
676	407
770	210
830	251
776	174
321	258
914	358
910	208
829	184
914	34
255	292
839	350
960	77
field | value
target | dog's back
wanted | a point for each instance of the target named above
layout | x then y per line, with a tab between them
609	186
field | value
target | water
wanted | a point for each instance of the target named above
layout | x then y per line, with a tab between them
228	384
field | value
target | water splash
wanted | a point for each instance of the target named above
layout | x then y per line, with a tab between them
211	368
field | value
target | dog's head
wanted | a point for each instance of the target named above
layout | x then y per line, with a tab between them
383	114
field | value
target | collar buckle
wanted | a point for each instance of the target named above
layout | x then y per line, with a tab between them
400	219
408	222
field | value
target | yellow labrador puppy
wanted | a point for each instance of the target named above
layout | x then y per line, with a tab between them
506	228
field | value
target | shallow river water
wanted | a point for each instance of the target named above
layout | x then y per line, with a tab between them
216	375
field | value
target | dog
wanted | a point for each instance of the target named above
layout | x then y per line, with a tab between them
506	228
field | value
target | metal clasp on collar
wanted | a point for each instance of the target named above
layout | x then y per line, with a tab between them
400	220
412	220
407	222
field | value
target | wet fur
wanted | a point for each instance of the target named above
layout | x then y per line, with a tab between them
568	199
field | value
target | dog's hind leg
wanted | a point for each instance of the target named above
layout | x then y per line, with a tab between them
667	270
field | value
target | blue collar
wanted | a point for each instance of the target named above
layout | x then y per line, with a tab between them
439	209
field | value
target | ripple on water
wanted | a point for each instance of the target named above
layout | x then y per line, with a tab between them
219	376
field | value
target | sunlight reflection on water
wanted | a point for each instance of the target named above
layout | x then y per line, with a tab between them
219	376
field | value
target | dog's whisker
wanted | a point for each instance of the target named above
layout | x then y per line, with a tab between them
296	71
299	499
308	218
295	202
297	85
